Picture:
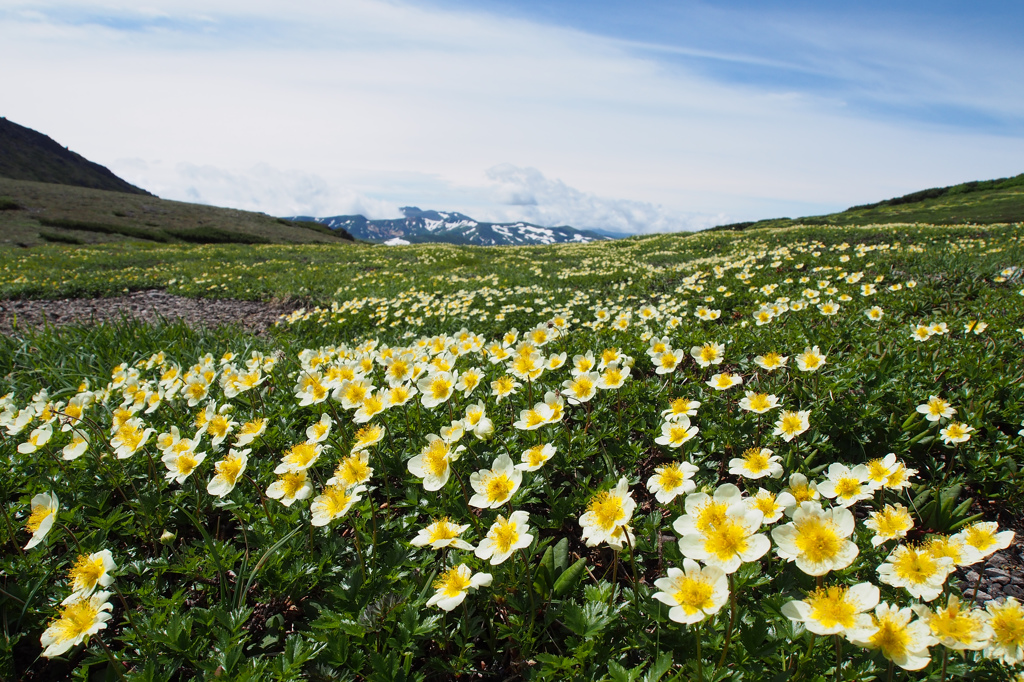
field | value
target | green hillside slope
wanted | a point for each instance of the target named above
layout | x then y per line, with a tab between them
980	202
33	213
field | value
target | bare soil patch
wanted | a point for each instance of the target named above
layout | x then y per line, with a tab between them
149	306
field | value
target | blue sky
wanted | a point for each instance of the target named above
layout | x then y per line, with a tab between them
638	117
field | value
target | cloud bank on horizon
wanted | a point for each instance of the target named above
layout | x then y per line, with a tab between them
638	117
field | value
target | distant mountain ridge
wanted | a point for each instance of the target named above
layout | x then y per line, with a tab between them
29	155
419	226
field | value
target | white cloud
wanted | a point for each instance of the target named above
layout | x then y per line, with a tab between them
526	194
257	188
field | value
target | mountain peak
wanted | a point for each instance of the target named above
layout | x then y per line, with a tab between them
451	227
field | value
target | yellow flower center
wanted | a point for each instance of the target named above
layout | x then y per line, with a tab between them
936	406
218	426
292	483
75	620
185	463
370	434
760	402
916	567
36	518
452	583
892	637
726	540
582	387
334	500
607	509
353	470
1008	625
442	529
791	423
708	353
680	406
439	388
86	572
678	434
535	455
373	405
765	503
670	477
830	607
355	393
693	594
435	459
891	522
877	470
755	460
129	436
952	623
301	455
817	539
980	537
710	514
847	487
229	469
505	535
534	418
253	426
613	376
955	431
398	369
498	488
504	385
772	360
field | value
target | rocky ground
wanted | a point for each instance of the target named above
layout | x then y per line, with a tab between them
150	306
1002	575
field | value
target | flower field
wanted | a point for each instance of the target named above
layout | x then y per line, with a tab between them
764	455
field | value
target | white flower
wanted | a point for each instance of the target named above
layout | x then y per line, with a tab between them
454	584
672	479
495	486
442	533
504	537
836	610
41	518
693	593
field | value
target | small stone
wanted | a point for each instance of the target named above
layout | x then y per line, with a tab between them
982	597
972	576
1013	591
996	572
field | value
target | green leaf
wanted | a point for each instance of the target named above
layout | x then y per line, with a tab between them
587	622
570	578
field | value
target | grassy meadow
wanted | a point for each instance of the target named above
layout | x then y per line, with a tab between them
754	455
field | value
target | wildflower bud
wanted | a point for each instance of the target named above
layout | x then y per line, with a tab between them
167	537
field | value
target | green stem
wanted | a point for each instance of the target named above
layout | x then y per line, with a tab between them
732	622
10	529
359	553
700	659
113	661
945	661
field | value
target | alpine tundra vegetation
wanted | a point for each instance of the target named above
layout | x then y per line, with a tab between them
787	454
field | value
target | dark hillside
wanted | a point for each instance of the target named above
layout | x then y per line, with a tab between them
28	155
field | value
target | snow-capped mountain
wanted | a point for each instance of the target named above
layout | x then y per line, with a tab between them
454	228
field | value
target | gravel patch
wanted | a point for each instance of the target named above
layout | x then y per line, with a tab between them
149	306
1001	575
